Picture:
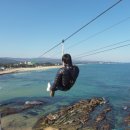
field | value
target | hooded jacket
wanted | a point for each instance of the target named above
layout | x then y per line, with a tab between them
65	77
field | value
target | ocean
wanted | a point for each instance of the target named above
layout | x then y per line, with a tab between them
111	81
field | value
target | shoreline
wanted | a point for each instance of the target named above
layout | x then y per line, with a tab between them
18	70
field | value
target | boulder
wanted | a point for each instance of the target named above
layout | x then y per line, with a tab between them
77	116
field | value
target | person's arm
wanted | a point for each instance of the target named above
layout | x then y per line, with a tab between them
58	80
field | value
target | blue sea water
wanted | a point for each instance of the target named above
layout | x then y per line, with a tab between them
111	81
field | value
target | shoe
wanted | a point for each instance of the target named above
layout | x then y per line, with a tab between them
52	93
48	87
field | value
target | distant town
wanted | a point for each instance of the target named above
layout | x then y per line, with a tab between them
25	64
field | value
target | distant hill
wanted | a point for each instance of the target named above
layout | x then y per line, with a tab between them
8	60
38	60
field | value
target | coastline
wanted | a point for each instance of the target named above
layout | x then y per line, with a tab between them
18	70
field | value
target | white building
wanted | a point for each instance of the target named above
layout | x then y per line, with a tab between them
2	68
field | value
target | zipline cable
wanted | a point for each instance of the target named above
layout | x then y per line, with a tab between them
102	48
105	50
102	31
93	35
81	28
92	20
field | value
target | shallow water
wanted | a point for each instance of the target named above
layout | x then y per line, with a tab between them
111	81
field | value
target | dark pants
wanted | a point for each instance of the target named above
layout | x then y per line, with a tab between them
59	87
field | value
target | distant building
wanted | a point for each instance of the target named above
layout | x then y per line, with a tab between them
26	63
57	64
2	68
29	63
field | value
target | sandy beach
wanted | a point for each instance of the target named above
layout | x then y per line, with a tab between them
17	70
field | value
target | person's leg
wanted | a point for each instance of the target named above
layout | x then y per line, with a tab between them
50	89
52	93
61	88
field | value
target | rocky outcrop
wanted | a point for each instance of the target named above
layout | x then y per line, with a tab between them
88	114
7	109
127	120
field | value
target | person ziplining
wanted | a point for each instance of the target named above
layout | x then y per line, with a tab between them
65	77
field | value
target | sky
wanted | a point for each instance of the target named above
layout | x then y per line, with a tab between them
28	28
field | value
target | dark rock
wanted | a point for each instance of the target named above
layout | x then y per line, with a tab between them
32	113
106	126
127	120
8	110
77	116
